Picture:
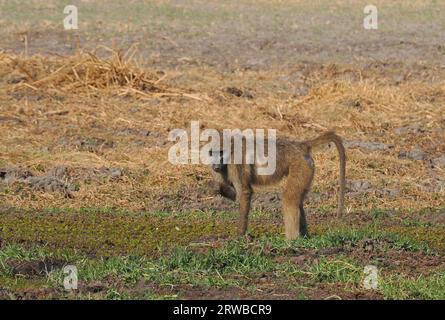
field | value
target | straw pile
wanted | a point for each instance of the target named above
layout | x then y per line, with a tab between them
85	71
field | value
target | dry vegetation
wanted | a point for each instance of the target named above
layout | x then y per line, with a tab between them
89	114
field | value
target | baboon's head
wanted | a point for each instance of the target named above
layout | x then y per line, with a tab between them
218	164
219	154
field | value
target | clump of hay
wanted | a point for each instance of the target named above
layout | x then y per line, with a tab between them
85	71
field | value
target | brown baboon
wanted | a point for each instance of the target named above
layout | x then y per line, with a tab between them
294	161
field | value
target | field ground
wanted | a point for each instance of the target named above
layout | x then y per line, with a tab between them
84	122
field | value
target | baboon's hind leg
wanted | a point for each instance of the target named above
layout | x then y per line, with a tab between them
303	223
293	196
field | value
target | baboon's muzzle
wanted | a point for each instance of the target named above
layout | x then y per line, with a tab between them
217	167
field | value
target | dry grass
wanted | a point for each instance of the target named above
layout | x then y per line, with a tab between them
86	73
52	105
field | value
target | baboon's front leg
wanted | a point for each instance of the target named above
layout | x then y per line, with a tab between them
245	197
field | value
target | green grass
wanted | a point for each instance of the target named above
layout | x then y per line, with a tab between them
234	264
349	237
421	287
338	270
164	249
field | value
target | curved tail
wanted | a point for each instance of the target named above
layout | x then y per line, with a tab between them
327	137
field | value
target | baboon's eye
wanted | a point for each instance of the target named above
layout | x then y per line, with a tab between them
214	153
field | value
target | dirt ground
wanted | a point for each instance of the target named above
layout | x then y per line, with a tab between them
85	117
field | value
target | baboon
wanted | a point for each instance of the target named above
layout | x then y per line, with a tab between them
294	162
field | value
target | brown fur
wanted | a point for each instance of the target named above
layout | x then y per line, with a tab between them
294	161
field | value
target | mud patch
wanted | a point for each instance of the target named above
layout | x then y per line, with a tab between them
13	174
399	262
370	146
206	198
195	292
15	120
416	154
49	182
239	93
100	173
59	178
439	162
30	294
337	291
383	253
94	145
410	129
33	268
360	187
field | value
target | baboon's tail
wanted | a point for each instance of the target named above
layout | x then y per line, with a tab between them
327	137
